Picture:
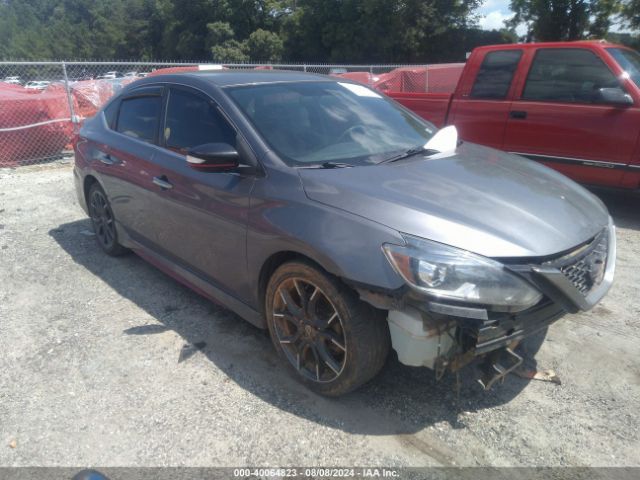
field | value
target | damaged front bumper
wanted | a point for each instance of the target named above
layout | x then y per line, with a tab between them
448	336
443	343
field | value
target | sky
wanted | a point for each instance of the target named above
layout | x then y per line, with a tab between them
495	12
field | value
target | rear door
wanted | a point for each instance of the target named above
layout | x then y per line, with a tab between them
558	118
124	161
200	216
482	103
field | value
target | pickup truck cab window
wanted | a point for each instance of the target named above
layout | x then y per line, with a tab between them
572	75
495	74
629	60
139	117
193	120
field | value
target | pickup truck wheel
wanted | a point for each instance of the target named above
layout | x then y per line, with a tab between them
331	340
103	222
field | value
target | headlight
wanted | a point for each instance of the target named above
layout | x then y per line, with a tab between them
449	273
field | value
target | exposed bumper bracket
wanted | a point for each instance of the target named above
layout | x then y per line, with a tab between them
497	365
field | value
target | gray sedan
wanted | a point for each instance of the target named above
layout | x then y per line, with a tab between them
345	224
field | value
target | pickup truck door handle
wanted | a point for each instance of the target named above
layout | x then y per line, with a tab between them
163	182
518	114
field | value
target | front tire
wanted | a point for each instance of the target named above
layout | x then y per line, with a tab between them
104	222
330	340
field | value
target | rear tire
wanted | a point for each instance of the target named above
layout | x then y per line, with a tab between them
104	221
330	340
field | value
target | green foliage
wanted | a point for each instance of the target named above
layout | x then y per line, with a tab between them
362	31
219	32
261	44
264	46
377	30
224	47
631	13
562	20
231	51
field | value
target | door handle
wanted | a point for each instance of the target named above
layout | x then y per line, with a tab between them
106	158
518	114
163	182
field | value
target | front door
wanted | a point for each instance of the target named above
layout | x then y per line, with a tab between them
560	119
200	217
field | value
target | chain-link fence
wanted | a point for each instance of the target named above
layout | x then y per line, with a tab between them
42	104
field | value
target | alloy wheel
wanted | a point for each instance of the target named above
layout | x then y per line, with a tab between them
102	218
310	330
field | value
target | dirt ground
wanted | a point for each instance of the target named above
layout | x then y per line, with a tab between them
99	367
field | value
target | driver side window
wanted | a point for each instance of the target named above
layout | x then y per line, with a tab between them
192	120
571	75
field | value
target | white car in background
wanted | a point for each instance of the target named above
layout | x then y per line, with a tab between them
110	75
12	80
37	85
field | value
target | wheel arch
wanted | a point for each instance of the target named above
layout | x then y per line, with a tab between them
275	260
87	183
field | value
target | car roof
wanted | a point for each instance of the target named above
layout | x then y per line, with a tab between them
227	78
596	44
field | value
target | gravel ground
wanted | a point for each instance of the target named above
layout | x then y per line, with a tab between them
99	367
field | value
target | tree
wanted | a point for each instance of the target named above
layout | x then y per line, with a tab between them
631	13
376	30
363	31
562	20
602	12
224	47
219	33
264	46
231	51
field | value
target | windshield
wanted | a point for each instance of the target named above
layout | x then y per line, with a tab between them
629	60
312	123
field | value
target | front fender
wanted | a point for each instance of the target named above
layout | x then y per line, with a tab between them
346	245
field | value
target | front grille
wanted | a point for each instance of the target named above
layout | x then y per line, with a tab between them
585	267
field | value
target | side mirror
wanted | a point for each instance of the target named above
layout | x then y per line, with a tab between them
615	96
213	157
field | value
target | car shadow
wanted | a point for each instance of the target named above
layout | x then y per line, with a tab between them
623	207
400	400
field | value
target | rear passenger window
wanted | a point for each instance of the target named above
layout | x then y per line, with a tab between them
567	75
495	74
194	120
139	117
110	114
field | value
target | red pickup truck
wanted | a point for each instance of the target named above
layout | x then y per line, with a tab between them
574	106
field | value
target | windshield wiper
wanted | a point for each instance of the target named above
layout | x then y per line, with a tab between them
330	165
410	153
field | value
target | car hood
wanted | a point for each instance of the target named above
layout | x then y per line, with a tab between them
476	198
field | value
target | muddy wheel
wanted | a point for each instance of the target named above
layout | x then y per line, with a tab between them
103	221
331	340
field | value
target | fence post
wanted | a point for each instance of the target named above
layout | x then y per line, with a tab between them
426	79
304	67
74	120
